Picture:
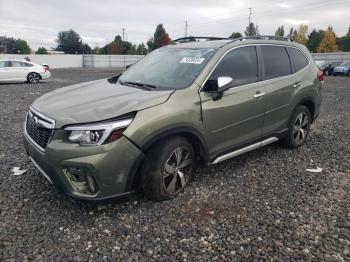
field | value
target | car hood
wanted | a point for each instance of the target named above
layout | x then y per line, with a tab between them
95	101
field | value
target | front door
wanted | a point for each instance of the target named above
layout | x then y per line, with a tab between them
236	118
5	72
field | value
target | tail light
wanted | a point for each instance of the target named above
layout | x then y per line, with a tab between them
320	75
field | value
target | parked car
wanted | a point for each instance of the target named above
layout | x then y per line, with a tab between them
21	70
181	105
327	66
342	69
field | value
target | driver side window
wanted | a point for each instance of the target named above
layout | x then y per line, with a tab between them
240	64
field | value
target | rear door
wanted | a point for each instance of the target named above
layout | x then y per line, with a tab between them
236	118
279	86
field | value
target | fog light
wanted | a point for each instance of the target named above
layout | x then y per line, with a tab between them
91	183
81	180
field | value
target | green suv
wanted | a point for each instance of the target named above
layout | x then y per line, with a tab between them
192	102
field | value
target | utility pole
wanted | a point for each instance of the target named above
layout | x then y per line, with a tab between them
123	33
250	15
186	28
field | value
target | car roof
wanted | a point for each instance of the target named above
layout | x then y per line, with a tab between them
216	44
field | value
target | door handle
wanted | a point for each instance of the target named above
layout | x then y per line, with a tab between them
259	94
296	85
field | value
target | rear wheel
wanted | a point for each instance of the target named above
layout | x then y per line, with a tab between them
299	127
33	78
168	168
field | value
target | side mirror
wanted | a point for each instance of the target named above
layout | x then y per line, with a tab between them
224	83
114	79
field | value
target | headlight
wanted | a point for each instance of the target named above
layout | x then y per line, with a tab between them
97	134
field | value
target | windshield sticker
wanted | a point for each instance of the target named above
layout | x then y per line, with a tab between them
192	60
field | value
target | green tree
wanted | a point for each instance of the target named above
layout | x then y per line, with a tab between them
41	51
150	44
315	38
251	30
302	35
8	45
118	46
22	47
160	38
69	42
344	42
235	35
280	31
141	49
292	33
85	49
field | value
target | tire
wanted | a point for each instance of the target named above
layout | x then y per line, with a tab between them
299	127
33	78
162	176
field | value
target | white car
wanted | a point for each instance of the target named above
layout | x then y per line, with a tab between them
21	70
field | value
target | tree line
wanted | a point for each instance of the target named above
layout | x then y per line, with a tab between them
70	42
317	41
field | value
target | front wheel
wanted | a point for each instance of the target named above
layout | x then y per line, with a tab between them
168	168
299	127
33	78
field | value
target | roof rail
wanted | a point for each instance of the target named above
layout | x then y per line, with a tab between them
197	38
266	37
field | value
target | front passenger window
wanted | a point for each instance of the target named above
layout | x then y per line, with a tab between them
240	64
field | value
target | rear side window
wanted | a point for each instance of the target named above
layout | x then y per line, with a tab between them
24	64
299	59
16	64
241	64
276	61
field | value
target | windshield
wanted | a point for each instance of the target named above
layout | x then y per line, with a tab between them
168	68
345	64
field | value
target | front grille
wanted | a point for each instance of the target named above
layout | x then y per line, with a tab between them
39	129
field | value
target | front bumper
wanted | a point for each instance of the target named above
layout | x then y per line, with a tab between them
112	166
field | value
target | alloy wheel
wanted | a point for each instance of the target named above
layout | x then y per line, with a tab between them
33	78
177	170
301	128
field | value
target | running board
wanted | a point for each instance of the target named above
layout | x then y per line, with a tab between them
245	149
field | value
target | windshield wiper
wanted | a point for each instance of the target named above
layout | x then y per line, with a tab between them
138	84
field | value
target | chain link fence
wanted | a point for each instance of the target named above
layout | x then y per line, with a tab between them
340	57
106	61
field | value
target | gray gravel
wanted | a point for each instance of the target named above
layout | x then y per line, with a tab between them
261	205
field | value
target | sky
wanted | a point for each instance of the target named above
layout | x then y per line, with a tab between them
98	22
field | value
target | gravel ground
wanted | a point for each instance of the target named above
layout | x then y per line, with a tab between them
261	205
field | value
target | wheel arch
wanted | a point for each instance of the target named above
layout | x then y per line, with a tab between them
310	104
40	77
190	133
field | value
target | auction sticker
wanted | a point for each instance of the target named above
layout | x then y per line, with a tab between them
192	60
